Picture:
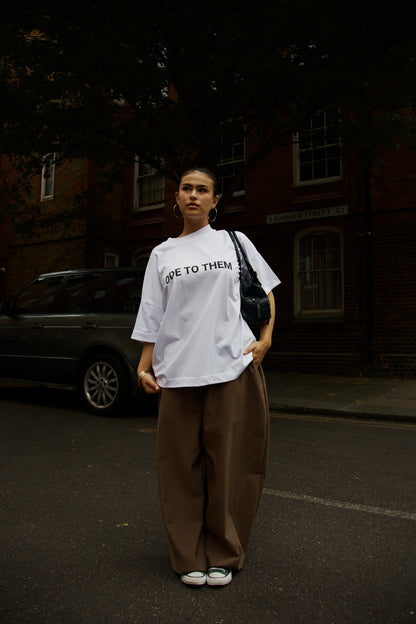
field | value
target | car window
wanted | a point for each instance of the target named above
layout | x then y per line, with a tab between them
39	297
128	290
83	293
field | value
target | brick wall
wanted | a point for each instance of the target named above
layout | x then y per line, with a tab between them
377	332
28	261
395	292
50	246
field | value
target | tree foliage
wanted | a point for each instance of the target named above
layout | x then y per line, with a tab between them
173	81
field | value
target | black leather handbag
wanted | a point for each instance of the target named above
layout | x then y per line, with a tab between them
255	304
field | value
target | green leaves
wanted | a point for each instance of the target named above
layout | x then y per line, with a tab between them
168	80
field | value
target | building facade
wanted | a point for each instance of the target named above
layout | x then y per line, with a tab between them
339	233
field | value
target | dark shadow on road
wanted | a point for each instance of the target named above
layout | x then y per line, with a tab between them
70	399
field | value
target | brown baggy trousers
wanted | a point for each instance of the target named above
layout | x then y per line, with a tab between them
211	456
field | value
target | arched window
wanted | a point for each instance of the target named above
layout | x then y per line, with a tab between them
319	279
140	259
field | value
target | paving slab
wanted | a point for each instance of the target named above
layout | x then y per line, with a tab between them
343	395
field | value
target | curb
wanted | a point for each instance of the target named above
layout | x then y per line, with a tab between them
362	414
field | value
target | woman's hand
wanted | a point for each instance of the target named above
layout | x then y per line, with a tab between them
148	383
144	378
259	349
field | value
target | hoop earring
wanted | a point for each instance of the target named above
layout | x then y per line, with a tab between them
174	212
215	216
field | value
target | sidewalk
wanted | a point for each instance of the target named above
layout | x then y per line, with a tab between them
344	396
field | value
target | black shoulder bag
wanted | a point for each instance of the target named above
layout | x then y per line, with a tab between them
255	304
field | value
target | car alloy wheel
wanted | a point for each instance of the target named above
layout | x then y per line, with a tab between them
103	383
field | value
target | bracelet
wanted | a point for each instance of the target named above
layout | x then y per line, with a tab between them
141	375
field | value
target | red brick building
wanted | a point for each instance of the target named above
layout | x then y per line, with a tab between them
341	239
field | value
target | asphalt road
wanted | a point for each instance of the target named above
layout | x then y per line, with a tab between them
82	540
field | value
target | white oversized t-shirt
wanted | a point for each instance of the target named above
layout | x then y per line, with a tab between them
190	308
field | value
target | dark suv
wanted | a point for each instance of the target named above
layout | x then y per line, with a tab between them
72	329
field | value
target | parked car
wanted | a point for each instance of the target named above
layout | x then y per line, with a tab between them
72	329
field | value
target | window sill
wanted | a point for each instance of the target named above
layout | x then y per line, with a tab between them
324	317
148	208
302	183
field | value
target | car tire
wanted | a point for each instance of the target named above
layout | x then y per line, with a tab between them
104	383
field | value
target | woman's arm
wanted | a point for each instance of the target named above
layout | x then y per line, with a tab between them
145	377
260	347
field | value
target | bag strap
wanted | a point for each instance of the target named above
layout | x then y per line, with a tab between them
243	261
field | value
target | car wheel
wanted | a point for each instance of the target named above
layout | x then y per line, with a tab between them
104	383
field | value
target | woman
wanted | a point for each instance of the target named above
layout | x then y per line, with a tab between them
203	359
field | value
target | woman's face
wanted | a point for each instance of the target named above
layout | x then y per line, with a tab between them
195	197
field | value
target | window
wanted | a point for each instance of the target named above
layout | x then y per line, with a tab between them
318	150
149	189
140	259
319	273
110	260
128	291
39	297
84	293
232	162
48	176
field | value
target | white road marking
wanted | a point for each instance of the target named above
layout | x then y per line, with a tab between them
379	511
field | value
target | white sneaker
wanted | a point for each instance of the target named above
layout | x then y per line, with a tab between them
194	578
219	576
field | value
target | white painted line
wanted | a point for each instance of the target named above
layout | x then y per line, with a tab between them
380	511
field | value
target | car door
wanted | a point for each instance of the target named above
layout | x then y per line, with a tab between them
22	340
118	320
73	326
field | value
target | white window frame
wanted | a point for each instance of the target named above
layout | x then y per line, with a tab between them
313	148
111	259
142	173
48	167
140	258
324	312
233	161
